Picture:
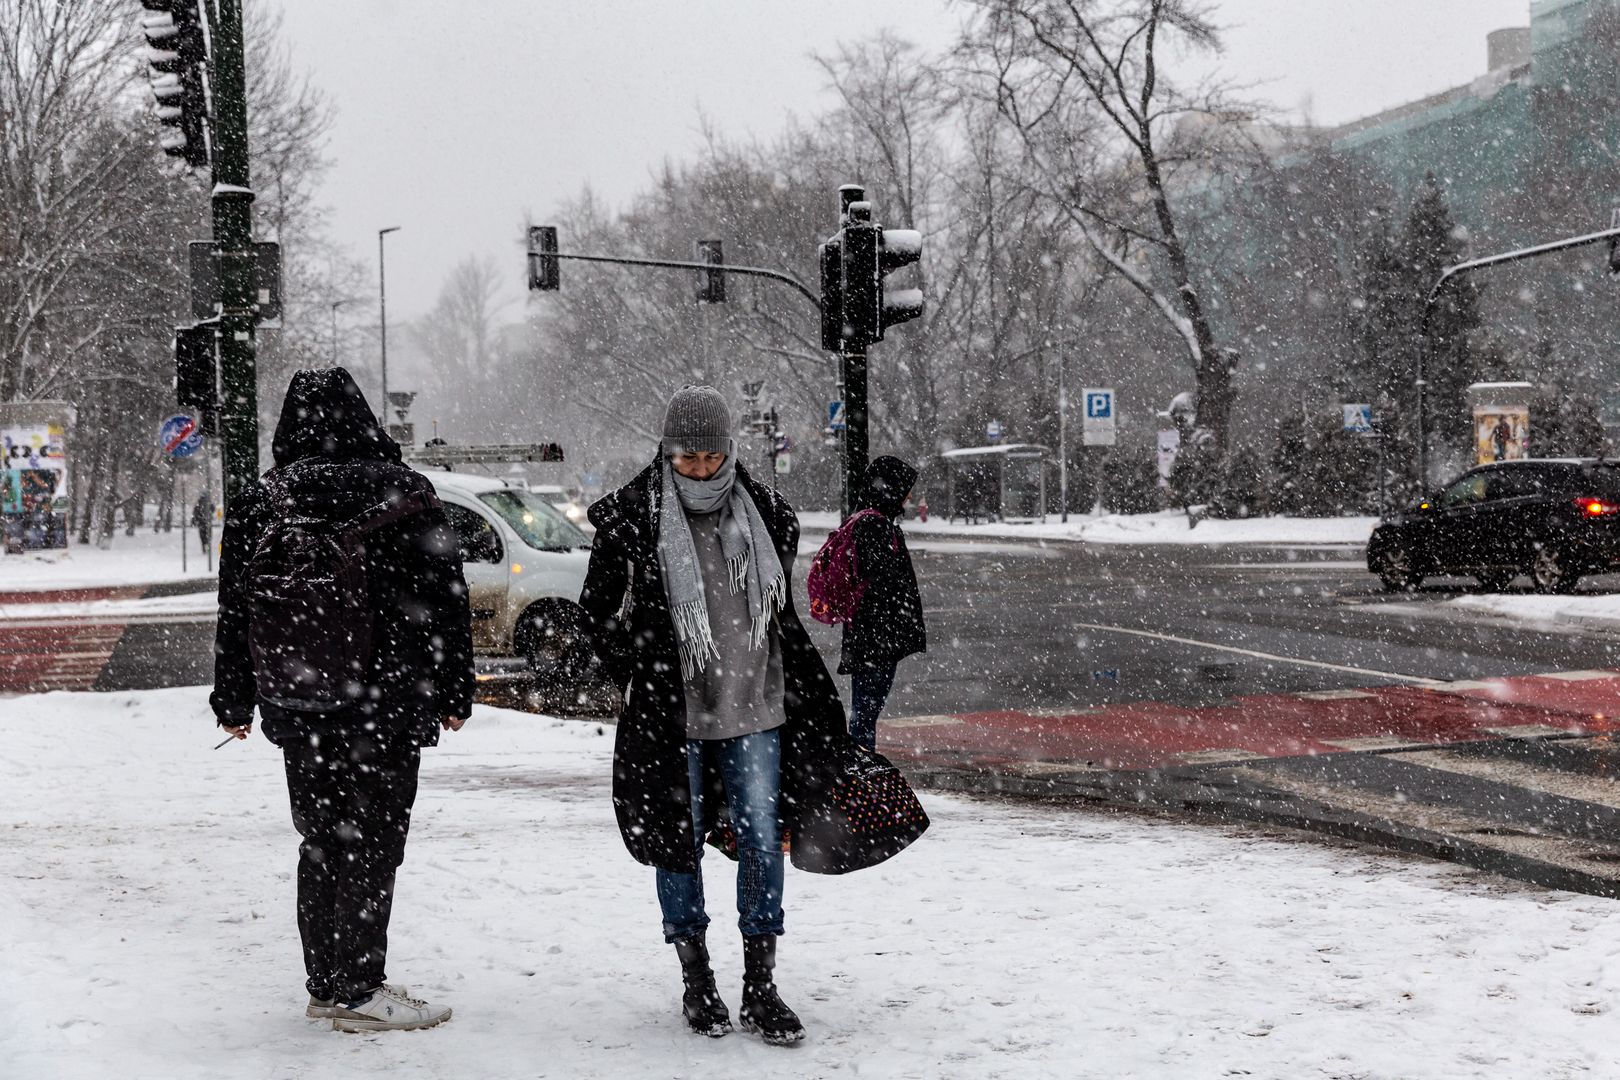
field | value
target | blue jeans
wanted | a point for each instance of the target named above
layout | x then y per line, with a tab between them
868	690
751	769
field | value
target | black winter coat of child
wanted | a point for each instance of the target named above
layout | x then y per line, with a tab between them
888	625
333	462
627	610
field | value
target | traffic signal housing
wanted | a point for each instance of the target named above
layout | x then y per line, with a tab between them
544	272
196	372
177	53
868	253
711	284
832	292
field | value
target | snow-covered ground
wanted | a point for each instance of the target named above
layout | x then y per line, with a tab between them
1597	611
150	608
146	895
143	559
1167	527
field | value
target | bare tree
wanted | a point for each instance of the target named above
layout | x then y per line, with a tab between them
1106	133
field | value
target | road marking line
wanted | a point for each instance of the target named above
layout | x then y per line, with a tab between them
1466	684
1532	731
1396	676
1581	676
1335	695
1217	757
1047	768
922	721
1566	785
1373	742
1058	713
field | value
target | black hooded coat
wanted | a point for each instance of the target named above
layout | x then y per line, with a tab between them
632	632
888	625
333	461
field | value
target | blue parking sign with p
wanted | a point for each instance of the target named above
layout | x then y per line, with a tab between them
1100	404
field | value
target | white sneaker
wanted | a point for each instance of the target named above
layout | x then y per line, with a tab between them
326	1008
388	1011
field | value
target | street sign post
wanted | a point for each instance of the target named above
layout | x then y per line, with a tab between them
1099	426
179	437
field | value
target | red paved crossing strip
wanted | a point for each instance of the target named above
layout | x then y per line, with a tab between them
43	649
36	658
1150	735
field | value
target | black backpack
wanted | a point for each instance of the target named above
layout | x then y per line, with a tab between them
310	615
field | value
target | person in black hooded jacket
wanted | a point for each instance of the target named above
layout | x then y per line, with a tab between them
352	772
888	624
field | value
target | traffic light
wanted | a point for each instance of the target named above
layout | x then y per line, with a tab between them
177	52
196	374
711	284
868	253
544	271
832	293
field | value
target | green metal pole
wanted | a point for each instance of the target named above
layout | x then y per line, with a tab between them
233	246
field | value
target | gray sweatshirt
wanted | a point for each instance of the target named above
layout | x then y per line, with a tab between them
740	691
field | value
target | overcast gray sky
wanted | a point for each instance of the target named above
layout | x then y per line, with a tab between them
457	116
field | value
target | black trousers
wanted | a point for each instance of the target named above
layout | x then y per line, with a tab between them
351	793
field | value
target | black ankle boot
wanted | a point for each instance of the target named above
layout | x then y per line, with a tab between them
705	1013
762	1009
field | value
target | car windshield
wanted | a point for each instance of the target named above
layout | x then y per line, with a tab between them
535	521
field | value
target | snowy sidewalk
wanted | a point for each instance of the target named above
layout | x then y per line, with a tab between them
145	559
146	887
1166	527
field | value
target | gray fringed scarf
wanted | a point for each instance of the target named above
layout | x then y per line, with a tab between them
750	559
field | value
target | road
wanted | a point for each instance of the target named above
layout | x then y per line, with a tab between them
1027	626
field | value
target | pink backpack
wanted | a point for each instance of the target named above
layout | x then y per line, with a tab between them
835	584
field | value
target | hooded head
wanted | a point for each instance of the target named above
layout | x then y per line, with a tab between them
326	415
888	481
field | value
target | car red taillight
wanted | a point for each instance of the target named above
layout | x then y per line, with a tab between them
1597	507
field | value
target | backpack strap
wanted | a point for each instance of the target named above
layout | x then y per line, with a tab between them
385	514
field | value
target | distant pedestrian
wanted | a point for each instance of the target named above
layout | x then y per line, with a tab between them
729	705
888	623
343	616
202	517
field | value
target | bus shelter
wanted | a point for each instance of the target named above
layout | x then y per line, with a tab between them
996	483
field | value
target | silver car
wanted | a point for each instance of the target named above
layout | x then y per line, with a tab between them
525	566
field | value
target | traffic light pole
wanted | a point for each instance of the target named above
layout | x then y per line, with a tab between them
1453	273
669	264
852	373
233	246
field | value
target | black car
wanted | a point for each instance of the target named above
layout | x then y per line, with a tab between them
1553	519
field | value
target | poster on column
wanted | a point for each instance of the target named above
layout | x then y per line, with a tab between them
1501	433
34	478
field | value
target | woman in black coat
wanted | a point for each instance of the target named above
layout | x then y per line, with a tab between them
888	624
665	761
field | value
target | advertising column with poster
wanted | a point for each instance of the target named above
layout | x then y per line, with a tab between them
34	474
1501	421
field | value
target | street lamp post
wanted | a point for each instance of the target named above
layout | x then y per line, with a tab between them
335	305
382	306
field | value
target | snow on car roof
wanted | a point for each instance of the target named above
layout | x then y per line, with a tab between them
466	483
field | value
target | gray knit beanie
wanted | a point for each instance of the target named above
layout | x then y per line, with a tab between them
697	421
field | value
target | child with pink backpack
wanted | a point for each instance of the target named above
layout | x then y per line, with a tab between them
863	578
